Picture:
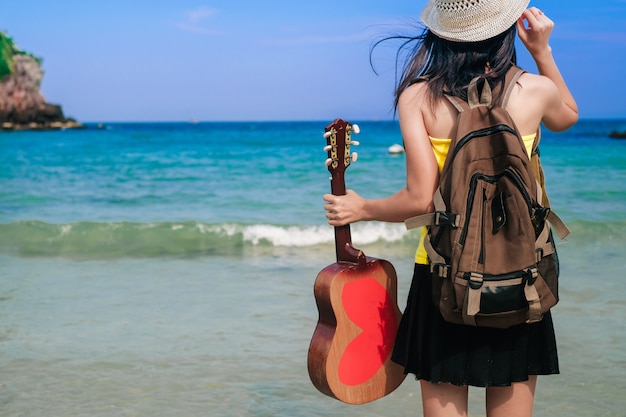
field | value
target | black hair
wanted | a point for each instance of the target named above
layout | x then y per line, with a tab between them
448	67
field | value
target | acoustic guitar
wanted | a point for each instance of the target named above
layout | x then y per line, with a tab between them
349	356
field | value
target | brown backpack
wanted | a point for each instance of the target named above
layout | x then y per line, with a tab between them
489	240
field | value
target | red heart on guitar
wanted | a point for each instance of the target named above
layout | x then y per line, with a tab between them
369	306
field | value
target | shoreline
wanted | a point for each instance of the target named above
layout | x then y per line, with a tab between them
57	125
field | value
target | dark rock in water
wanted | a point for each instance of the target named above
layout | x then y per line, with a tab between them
22	106
617	135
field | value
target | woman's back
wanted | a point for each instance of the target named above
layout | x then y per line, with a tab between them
527	107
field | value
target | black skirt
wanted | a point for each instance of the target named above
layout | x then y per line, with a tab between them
438	351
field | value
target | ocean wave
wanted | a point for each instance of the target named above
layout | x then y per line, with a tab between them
110	240
106	240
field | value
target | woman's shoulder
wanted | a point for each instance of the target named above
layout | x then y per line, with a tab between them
535	84
414	94
437	116
530	99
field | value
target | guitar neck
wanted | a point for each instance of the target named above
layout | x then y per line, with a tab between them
343	237
343	246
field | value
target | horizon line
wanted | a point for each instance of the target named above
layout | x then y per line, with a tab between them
197	121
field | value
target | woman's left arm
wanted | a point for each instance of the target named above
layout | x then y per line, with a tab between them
421	171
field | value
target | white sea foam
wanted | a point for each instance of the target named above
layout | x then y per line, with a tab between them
65	230
362	233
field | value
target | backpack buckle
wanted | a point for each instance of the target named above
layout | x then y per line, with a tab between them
531	275
474	280
540	214
442	270
443	218
539	254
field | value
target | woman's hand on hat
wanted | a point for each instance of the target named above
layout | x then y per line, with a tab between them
534	29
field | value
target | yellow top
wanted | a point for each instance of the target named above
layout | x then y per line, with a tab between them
440	148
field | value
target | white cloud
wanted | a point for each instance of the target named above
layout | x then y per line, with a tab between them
201	14
196	22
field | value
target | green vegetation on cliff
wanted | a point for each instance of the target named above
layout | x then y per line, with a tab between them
7	50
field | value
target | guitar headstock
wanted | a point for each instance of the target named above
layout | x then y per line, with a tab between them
338	136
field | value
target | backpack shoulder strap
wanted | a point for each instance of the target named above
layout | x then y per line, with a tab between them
535	148
458	104
538	170
510	79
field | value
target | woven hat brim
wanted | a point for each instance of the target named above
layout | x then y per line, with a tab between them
476	31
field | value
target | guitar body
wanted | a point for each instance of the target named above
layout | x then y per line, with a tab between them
350	353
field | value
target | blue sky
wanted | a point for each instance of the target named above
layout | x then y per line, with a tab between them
140	60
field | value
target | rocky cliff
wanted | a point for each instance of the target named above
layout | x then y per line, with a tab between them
22	106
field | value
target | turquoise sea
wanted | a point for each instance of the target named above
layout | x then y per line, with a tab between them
167	269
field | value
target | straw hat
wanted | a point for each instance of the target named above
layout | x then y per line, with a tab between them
471	20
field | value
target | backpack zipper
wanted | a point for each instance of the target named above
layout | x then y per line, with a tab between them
518	183
502	277
491	179
481	255
525	275
482	132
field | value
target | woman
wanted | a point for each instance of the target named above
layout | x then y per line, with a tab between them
465	39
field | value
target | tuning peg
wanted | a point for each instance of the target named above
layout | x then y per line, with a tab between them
328	162
354	156
327	148
355	142
356	129
327	135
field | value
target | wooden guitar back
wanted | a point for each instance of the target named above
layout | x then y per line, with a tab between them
350	353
